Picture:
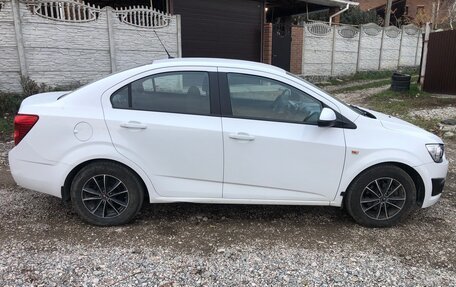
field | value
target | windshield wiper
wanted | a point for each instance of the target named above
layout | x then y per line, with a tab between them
363	112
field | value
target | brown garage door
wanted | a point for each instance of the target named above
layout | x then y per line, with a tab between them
220	28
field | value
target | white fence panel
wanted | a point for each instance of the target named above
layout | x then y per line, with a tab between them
63	41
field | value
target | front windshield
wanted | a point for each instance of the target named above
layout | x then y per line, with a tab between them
353	108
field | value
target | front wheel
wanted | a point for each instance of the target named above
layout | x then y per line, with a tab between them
106	194
381	196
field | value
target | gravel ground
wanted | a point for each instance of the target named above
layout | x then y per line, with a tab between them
44	243
438	113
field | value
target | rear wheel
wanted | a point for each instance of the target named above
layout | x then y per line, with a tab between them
106	193
381	196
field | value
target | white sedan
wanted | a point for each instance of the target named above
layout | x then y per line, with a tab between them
221	131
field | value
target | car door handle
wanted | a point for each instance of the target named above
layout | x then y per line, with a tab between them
133	125
242	137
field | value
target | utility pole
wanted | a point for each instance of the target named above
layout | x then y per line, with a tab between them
388	12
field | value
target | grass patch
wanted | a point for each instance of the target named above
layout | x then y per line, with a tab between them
369	85
362	86
6	128
361	76
401	103
373	75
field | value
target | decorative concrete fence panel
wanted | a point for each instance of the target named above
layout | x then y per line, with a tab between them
410	39
345	54
136	46
344	50
59	42
390	48
369	49
317	49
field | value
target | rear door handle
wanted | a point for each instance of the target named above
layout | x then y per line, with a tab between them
133	125
242	137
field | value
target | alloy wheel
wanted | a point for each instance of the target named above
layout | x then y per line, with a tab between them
383	198
105	196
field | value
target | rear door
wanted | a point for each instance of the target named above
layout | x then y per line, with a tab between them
168	123
273	147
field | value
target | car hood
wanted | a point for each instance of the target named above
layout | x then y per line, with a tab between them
396	124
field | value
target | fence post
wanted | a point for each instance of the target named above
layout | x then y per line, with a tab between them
179	35
333	50
19	40
381	49
358	58
112	45
400	47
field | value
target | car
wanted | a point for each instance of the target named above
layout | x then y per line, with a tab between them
205	130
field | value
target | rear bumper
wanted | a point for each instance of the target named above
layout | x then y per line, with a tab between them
41	177
433	175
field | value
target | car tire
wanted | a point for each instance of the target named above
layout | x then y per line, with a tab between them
381	196
106	194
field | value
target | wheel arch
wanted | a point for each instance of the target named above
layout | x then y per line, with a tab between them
65	189
416	177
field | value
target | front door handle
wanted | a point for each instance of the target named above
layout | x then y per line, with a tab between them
133	125
242	137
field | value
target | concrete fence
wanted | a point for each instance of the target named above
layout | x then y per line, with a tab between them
342	50
59	42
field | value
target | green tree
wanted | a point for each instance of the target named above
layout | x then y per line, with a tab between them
356	16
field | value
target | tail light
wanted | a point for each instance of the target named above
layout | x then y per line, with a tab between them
22	125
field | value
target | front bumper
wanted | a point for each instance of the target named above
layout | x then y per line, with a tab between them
433	175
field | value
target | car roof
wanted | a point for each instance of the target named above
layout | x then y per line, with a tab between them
217	62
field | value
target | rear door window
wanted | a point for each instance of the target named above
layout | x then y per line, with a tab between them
175	92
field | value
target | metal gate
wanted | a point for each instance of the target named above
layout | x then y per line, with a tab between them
440	75
281	45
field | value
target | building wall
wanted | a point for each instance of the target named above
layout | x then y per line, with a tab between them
411	4
344	50
58	52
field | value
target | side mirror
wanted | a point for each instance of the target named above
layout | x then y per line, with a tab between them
327	118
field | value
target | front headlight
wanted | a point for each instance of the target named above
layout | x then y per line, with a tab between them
436	151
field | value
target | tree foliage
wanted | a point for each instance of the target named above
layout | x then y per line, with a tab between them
356	16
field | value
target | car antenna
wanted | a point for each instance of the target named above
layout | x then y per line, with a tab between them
163	45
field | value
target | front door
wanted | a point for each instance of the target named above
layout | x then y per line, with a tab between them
273	147
166	124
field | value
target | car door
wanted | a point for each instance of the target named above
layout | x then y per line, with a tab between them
273	147
168	123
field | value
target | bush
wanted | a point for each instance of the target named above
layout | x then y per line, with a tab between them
9	103
30	87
